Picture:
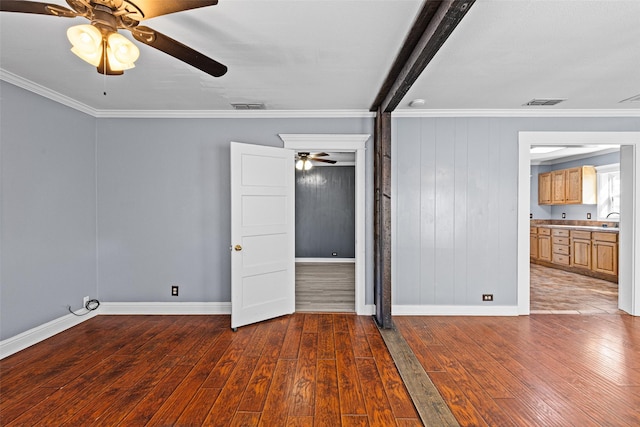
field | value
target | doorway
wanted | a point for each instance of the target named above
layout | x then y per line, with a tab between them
344	143
629	280
325	232
557	285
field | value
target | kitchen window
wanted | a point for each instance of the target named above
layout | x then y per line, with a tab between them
608	177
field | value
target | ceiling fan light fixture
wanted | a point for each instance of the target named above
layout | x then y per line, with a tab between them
86	41
303	164
121	53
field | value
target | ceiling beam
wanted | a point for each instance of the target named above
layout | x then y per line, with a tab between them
431	28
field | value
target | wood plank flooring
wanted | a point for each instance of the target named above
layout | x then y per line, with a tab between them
562	292
327	287
301	370
538	370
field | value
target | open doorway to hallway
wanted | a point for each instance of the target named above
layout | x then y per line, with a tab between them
325	232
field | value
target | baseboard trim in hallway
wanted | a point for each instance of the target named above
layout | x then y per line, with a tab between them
431	407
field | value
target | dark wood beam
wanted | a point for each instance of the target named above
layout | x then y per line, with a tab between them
431	28
382	219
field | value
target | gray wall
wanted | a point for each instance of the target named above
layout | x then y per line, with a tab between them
573	212
325	212
164	202
455	200
48	210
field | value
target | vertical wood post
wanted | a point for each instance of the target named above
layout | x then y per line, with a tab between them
382	219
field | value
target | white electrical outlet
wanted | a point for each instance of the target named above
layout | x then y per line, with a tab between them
85	300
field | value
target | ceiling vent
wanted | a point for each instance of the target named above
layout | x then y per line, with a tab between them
632	99
544	101
239	106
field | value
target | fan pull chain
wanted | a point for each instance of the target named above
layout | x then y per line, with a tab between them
104	67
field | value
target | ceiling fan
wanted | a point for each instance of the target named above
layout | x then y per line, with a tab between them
304	159
99	42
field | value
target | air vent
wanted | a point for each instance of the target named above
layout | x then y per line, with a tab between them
248	106
632	99
544	101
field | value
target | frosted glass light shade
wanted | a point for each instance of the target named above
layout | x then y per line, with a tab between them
86	41
121	53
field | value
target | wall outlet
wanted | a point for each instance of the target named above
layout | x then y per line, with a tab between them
530	216
564	215
588	215
334	253
174	291
487	297
85	300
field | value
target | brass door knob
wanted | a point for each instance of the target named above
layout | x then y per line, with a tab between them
237	248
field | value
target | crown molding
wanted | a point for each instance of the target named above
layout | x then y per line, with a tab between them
38	89
232	114
23	83
538	112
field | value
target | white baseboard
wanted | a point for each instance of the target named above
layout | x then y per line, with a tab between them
367	310
454	310
165	308
33	336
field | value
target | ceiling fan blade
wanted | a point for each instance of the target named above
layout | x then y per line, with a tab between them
319	155
178	50
37	8
153	8
333	162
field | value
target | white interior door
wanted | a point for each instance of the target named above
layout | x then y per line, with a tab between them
262	233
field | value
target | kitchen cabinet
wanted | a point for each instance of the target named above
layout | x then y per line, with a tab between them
544	188
560	247
533	242
544	244
581	249
605	253
558	187
568	186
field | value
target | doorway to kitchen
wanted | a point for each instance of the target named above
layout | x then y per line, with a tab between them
565	233
629	276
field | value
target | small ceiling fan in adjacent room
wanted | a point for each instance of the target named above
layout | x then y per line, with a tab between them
304	159
99	42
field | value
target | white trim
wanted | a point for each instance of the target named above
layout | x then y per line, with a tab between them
234	114
33	336
537	112
629	252
327	260
46	92
345	143
615	167
368	310
165	308
454	310
269	114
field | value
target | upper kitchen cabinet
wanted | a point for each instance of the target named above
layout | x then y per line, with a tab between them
568	186
544	188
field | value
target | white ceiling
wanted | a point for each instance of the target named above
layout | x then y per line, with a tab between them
309	55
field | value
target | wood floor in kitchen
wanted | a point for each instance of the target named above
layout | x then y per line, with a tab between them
561	292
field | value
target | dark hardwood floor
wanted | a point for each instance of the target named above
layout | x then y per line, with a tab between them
538	370
298	370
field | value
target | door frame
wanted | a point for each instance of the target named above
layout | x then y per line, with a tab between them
629	241
347	143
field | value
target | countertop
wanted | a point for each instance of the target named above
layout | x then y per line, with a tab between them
580	227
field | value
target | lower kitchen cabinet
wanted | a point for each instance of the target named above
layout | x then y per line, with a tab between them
605	253
581	249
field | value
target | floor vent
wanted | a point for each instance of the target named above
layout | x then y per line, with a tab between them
544	101
248	106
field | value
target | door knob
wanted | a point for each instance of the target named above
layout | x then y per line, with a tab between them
237	248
